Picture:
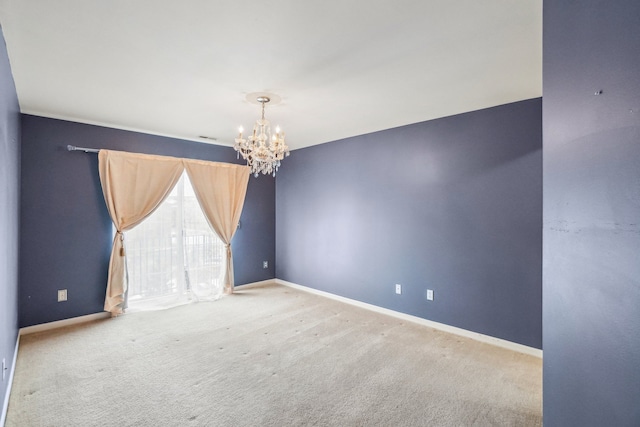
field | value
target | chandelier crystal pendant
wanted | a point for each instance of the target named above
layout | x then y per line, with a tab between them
262	150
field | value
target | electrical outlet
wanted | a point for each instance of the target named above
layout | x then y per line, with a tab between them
265	264
398	288
62	295
429	294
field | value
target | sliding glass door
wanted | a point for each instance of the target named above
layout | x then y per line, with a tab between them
174	257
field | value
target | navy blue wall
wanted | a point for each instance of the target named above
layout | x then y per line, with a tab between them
591	267
9	213
452	205
66	231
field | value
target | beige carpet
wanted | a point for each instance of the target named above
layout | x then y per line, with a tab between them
269	356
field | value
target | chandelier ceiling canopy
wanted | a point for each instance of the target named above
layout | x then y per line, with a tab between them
263	150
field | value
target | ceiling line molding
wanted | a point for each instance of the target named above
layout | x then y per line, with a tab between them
69	118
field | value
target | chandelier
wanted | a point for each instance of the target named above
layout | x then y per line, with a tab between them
262	150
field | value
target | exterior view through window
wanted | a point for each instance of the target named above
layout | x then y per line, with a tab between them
174	256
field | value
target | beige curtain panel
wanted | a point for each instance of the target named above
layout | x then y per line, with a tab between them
220	191
134	185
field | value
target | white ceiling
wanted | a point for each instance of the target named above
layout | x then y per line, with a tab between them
341	67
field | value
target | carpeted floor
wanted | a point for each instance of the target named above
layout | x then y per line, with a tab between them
269	356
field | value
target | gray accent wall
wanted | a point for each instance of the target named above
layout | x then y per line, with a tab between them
453	205
67	233
591	303
9	214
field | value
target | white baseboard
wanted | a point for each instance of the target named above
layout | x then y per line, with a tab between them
97	316
419	320
408	317
5	405
64	322
255	284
